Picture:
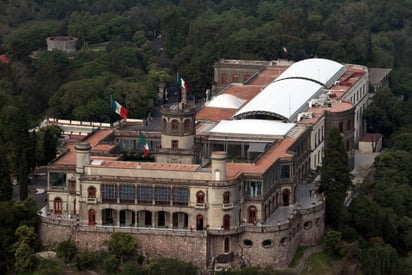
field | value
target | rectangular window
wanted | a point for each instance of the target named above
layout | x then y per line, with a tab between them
57	179
175	144
109	192
127	193
253	188
284	171
341	127
162	195
180	196
145	194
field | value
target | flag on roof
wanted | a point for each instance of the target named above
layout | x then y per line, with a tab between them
143	141
182	83
285	50
119	109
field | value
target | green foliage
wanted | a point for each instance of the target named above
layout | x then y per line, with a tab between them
24	253
6	190
380	259
162	265
121	244
332	241
335	177
111	263
49	267
66	250
25	258
385	114
85	260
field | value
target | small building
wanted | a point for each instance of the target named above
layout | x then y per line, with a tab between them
67	44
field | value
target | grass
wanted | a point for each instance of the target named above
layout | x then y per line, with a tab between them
298	255
321	263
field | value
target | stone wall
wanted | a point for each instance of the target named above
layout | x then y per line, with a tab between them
188	247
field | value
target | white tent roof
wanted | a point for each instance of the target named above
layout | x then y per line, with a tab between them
226	101
282	99
253	127
321	70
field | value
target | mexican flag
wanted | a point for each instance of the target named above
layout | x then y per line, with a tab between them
119	109
182	83
143	141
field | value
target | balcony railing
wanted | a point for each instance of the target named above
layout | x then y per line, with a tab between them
200	206
227	206
91	200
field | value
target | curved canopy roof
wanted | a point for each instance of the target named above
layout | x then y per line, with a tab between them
281	100
323	71
226	101
252	127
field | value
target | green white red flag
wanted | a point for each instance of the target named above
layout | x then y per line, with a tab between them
119	109
146	150
182	83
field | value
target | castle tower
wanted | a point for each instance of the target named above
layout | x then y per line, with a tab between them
82	156
178	134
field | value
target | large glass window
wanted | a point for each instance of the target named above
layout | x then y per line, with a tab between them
109	192
253	188
145	194
180	196
127	193
162	195
57	179
285	171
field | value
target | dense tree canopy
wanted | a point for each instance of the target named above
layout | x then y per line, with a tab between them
118	54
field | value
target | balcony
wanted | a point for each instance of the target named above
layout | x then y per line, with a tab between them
227	206
91	201
200	206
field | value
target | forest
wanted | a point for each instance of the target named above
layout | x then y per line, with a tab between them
117	55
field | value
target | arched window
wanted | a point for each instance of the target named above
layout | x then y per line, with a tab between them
58	205
227	245
199	222
200	197
226	222
246	77
92	217
224	79
175	126
251	214
186	126
91	192
226	197
286	197
164	124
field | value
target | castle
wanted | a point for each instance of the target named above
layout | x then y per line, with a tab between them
232	178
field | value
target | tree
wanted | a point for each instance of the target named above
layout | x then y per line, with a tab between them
121	244
332	240
6	191
66	250
380	259
335	178
24	253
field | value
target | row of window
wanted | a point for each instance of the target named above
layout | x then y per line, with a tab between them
285	240
235	78
175	125
130	193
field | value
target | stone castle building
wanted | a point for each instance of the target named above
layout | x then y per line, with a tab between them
232	179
